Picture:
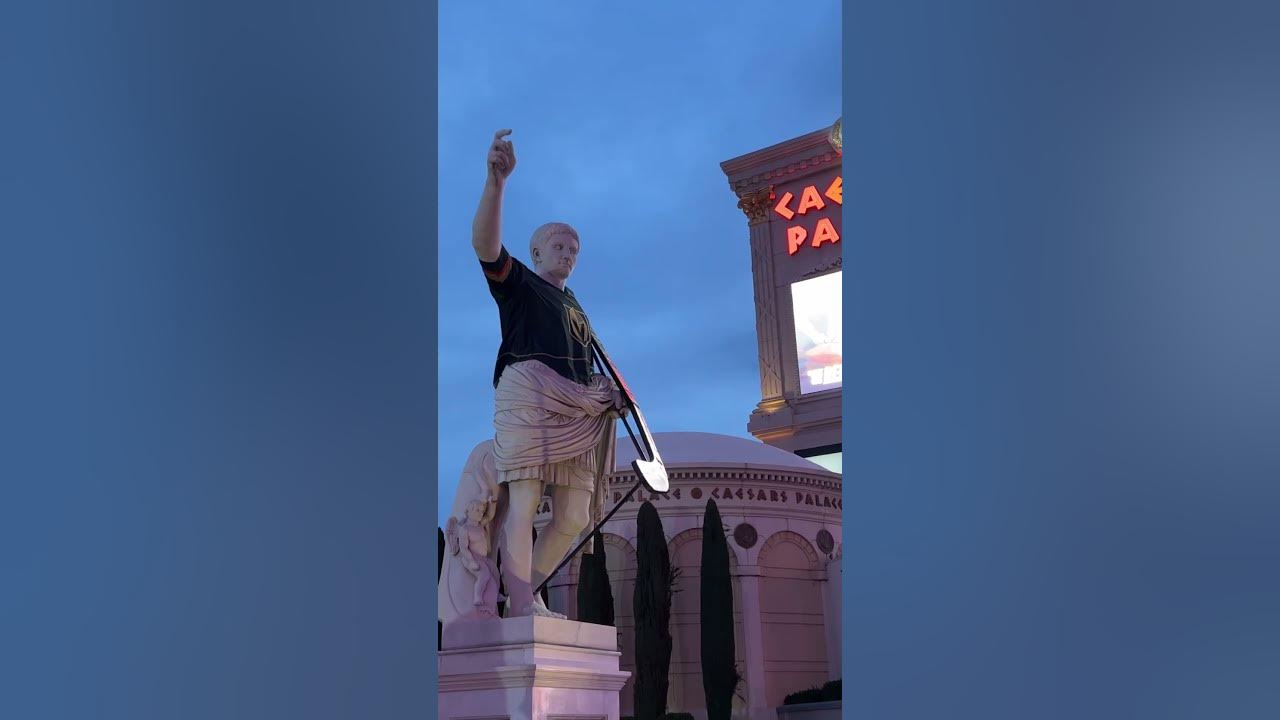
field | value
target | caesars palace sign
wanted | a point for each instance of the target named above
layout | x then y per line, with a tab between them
696	494
750	494
805	229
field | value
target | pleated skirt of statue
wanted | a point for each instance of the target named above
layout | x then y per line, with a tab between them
553	429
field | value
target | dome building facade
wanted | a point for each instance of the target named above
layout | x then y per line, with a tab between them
781	515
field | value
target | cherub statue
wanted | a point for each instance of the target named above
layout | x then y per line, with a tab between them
473	535
468	538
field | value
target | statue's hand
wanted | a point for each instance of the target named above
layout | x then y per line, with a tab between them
502	157
619	403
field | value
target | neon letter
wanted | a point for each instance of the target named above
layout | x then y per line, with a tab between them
795	238
835	191
810	199
782	209
824	232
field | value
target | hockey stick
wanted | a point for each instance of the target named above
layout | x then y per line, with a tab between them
650	471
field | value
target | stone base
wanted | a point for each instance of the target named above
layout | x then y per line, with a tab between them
529	668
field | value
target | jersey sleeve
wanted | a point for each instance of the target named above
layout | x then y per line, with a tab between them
505	275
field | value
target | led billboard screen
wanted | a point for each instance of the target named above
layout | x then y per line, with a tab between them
818	323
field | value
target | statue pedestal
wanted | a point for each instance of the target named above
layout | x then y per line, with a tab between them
529	668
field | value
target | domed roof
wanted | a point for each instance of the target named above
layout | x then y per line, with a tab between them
700	449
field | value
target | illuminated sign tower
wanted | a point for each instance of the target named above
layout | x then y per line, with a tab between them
792	195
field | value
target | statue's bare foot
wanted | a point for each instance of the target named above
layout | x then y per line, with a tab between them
541	610
536	608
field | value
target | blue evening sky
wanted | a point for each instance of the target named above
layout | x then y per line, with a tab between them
621	119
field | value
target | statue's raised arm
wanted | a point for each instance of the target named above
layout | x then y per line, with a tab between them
486	229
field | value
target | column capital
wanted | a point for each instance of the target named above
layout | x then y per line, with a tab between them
756	204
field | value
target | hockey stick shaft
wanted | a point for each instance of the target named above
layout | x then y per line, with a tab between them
588	537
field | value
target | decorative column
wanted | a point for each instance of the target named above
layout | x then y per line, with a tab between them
753	639
756	205
831	602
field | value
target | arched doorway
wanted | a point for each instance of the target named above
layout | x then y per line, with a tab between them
685	692
791	616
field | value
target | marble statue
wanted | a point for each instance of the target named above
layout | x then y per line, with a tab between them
553	415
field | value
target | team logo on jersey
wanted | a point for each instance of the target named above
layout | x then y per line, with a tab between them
578	325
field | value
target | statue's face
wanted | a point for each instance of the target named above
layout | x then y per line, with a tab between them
557	255
475	513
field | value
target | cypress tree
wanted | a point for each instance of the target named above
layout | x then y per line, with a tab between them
719	674
545	599
440	563
652	603
439	569
587	590
604	591
595	595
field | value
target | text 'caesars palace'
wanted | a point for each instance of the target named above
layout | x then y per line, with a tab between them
780	495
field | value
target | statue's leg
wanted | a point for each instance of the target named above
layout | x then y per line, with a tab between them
517	541
571	508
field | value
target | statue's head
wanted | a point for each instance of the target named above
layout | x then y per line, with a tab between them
480	510
554	250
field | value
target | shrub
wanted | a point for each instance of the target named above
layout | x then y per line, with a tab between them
830	691
812	695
